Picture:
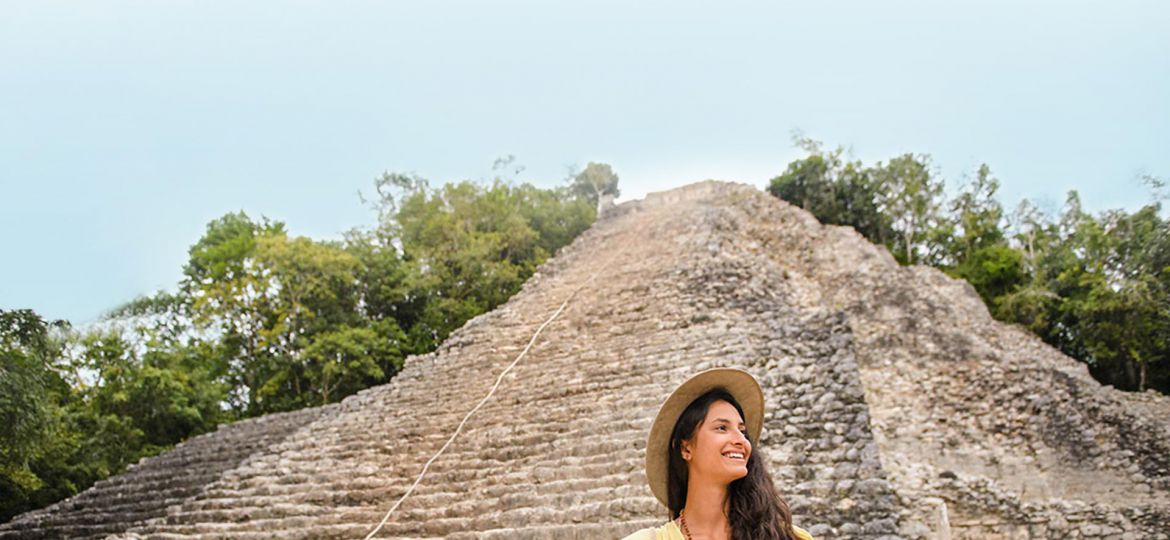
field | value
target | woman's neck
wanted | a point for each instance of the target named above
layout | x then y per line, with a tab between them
706	511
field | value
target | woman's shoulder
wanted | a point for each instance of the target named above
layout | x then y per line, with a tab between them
644	534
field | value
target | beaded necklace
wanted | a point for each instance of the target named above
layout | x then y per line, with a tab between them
682	520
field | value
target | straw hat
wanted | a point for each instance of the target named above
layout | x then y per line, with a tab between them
740	384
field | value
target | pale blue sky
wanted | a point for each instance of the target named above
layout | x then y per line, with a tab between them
127	126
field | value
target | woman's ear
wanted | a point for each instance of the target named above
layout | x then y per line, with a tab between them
686	450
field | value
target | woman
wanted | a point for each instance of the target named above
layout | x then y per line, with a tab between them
700	464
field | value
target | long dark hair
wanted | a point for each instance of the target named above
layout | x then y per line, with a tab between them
757	511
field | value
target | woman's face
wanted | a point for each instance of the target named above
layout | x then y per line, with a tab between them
719	450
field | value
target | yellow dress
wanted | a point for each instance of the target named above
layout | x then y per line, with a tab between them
670	531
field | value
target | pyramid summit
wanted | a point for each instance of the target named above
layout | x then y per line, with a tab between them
896	406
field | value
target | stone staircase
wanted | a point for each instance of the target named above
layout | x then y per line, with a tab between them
711	274
146	490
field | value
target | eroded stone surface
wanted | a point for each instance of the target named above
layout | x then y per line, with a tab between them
893	400
1015	438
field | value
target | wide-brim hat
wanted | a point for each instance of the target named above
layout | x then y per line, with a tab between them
740	384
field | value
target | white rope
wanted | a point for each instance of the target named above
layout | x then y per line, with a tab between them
484	400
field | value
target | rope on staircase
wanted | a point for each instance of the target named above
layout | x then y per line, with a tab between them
499	379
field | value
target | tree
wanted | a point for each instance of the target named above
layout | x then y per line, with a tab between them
266	295
1124	319
836	191
470	248
809	183
27	413
222	292
223	251
1034	233
595	180
143	399
911	197
346	360
978	214
973	244
555	216
383	291
1124	331
77	407
1032	303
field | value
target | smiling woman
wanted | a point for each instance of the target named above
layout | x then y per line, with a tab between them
700	464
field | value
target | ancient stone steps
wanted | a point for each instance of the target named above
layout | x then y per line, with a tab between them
506	448
711	274
147	488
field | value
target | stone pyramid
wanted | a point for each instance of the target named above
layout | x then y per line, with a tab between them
897	408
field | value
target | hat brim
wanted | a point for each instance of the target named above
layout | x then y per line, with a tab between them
740	384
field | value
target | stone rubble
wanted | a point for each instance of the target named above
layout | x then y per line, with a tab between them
897	408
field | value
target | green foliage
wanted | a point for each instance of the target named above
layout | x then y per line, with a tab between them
84	406
346	360
993	270
469	247
26	412
838	192
1120	299
296	316
595	180
972	242
911	196
163	396
979	214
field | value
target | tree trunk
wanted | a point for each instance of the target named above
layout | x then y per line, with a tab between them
1142	378
1130	376
909	238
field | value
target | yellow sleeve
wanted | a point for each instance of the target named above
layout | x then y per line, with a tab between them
801	533
644	534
